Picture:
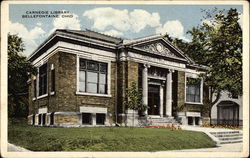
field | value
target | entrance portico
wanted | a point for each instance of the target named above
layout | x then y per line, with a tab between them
154	82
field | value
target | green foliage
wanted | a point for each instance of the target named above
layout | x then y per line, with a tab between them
217	44
104	139
18	69
134	98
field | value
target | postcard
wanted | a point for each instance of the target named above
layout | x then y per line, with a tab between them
124	79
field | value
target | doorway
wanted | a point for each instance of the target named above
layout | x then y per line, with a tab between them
154	99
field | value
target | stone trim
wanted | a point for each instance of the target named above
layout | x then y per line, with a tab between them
42	110
93	94
88	109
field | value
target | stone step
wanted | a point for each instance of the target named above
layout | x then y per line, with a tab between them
229	142
225	132
230	138
229	135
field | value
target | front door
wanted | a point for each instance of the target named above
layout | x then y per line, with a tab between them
153	99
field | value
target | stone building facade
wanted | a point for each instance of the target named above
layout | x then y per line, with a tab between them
83	75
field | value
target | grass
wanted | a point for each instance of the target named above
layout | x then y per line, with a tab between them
104	138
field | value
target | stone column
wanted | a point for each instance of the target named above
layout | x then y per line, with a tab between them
161	101
169	94
145	86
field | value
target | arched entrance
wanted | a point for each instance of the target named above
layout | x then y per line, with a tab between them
228	113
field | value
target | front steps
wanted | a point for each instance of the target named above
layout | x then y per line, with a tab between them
227	137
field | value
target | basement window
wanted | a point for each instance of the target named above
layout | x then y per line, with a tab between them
33	119
52	118
86	118
100	119
39	119
44	119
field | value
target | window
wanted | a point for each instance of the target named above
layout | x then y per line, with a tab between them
33	119
193	88
39	119
43	79
52	118
100	119
93	77
53	80
44	119
34	85
86	118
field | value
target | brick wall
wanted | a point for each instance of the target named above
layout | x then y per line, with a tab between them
180	88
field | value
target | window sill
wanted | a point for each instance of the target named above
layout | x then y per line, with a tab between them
93	94
42	96
194	103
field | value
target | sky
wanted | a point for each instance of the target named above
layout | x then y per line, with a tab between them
124	21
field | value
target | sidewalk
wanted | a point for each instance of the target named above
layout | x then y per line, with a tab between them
234	147
14	148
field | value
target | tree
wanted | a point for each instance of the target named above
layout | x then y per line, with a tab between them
19	69
217	44
134	99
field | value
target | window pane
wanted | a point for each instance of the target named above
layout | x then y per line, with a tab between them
82	64
92	77
82	76
86	118
82	87
102	88
197	98
197	90
100	119
92	65
92	87
102	78
191	89
103	67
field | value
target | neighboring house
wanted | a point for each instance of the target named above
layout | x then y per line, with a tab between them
83	75
227	110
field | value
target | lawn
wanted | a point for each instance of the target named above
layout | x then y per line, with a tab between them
104	138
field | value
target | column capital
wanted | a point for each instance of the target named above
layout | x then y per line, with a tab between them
171	70
146	65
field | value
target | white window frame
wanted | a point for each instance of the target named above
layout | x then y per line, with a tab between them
108	77
192	75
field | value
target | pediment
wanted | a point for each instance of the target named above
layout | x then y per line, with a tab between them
160	47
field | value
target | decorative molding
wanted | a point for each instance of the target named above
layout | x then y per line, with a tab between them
158	48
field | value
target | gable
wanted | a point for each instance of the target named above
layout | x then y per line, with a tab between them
159	46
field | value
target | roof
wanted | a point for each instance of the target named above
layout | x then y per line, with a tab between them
104	40
95	35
